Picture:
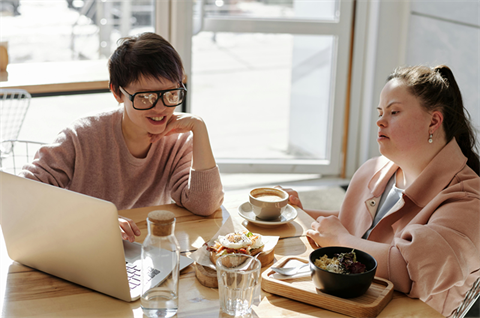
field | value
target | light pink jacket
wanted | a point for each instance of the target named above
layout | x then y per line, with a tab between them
433	231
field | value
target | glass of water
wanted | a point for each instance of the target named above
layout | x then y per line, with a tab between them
238	283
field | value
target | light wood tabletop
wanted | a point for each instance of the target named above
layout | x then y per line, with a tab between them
30	293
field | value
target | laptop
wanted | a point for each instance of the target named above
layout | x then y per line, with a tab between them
72	236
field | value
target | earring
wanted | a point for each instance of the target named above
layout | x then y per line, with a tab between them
430	140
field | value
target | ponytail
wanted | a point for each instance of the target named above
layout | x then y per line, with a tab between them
457	120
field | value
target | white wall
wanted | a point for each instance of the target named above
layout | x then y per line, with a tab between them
448	32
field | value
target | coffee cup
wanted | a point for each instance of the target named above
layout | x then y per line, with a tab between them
268	203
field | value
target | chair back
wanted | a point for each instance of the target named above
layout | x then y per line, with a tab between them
14	105
470	298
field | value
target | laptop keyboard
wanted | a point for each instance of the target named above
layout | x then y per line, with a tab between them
134	274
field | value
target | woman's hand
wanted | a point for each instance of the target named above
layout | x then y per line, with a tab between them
328	231
202	151
293	197
128	228
178	123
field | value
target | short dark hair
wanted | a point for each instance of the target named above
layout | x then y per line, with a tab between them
437	89
148	55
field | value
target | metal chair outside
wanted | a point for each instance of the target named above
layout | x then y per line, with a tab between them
14	104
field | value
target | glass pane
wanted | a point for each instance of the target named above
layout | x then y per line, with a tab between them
264	96
286	9
66	30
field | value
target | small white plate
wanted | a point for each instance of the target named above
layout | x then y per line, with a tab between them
246	212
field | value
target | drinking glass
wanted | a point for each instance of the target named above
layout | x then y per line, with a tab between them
238	282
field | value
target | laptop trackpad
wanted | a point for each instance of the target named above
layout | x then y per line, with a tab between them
133	251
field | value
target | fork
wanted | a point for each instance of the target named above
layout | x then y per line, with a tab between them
288	271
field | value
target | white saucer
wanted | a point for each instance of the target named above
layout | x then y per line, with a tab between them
246	212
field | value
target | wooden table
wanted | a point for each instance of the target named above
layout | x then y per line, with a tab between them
30	293
57	78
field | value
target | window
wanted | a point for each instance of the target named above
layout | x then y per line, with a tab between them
269	78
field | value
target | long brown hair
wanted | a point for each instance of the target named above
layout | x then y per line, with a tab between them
437	89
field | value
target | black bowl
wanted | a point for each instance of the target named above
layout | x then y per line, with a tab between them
342	285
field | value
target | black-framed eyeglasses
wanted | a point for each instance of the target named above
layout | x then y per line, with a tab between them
147	100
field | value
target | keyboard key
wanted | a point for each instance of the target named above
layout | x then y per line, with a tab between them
134	274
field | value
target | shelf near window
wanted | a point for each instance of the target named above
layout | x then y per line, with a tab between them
58	78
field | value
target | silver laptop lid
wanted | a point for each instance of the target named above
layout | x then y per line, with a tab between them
63	233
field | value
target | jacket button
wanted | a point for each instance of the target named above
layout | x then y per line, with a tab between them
372	202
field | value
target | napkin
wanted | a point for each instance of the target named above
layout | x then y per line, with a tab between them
202	256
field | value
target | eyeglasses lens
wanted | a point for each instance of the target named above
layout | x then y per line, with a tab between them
145	100
173	98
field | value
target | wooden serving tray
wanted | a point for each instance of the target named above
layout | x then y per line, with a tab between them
302	289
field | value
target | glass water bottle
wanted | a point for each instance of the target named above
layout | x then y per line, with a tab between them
160	254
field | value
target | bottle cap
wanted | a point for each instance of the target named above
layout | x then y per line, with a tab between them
162	222
161	216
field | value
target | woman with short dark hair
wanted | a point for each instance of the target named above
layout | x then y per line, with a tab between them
141	154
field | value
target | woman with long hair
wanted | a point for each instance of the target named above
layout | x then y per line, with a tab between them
416	208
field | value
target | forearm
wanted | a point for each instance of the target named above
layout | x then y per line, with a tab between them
202	151
317	213
46	158
329	231
379	251
204	194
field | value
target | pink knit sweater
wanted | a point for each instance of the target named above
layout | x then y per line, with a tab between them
91	157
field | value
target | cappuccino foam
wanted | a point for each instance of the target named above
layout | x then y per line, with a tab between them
269	197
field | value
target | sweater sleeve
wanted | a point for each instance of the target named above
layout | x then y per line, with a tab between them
53	163
205	193
200	192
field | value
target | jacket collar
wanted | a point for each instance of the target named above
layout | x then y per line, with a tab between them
385	171
433	179
437	175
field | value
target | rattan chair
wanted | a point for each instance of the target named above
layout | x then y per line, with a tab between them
14	104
